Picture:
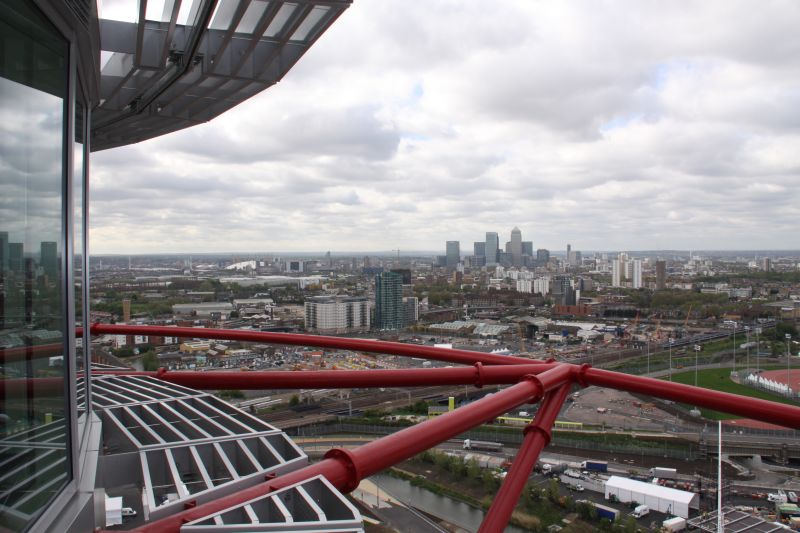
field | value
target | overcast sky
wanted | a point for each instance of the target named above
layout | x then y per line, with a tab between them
609	125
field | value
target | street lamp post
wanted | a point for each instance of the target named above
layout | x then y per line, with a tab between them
758	348
696	354
788	362
671	340
747	333
734	347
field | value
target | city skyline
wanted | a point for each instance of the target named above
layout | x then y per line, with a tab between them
604	129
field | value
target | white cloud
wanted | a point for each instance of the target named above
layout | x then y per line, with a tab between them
631	125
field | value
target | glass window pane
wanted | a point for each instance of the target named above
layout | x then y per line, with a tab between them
33	430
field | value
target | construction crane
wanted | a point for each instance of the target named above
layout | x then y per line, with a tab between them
398	254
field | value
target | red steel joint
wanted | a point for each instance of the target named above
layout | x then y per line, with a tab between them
540	388
479	380
580	375
160	372
546	434
346	458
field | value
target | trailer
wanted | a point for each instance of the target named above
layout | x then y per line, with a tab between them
664	473
595	466
604	511
674	524
471	444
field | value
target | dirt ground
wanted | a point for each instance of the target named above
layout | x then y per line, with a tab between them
620	411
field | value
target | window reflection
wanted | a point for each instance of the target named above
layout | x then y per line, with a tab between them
33	431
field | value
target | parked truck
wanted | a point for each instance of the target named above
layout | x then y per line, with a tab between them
640	511
664	473
603	511
674	524
595	466
472	444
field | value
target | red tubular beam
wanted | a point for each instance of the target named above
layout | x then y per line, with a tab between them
344	379
537	436
295	339
12	355
346	468
42	387
757	409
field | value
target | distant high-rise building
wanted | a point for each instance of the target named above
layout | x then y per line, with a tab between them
616	274
542	256
49	260
636	273
563	292
4	252
516	246
527	248
16	257
337	314
505	259
479	249
661	275
405	273
766	264
410	310
574	257
492	248
389	301
453	253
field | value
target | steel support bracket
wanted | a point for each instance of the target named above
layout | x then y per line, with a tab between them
346	458
479	379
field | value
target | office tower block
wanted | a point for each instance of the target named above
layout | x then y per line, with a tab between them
661	275
527	248
389	301
479	249
492	248
453	253
49	260
636	273
516	246
542	256
4	251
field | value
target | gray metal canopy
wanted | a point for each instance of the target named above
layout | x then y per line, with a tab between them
199	59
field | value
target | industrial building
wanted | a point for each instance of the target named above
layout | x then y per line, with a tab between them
658	498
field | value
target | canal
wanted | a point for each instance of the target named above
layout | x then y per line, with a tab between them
442	507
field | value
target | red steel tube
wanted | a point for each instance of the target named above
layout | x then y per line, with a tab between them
537	436
346	468
41	387
25	353
755	408
296	339
478	375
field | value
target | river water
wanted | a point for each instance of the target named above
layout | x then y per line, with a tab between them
453	511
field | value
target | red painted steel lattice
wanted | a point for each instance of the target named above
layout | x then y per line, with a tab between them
530	380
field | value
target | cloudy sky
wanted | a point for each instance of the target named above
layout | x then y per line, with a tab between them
609	125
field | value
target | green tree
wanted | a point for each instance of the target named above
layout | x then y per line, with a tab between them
149	361
294	400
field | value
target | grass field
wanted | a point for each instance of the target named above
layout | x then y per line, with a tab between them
719	379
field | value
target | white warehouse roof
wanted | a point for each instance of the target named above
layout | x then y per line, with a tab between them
663	499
